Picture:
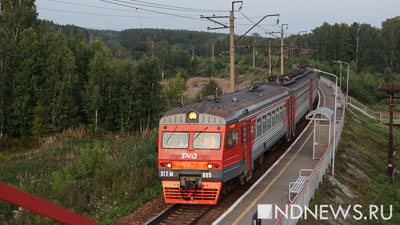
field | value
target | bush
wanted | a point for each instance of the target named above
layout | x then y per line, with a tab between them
102	179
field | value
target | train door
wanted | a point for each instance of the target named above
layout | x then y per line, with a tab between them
310	96
246	146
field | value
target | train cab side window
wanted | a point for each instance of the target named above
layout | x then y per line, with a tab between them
232	139
264	124
281	113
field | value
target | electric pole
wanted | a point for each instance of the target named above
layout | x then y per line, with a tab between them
391	91
232	47
269	57
232	36
152	49
254	53
269	50
213	54
193	53
282	51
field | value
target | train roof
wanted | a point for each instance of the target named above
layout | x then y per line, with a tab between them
237	105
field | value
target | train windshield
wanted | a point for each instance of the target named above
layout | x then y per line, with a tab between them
175	140
207	140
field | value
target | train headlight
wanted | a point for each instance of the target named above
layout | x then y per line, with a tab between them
169	165
192	115
209	166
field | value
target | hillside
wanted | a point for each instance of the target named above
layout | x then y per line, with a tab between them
360	173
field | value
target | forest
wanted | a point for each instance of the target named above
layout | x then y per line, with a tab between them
56	77
90	100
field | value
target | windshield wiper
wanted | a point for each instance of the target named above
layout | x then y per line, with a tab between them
200	133
171	135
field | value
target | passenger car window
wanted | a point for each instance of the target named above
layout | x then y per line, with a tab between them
269	121
284	111
273	118
232	139
264	124
258	127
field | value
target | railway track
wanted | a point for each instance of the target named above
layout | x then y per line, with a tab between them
180	214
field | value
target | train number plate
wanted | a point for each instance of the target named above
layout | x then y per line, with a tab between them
164	173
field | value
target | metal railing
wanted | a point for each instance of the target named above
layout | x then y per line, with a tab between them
380	116
40	206
303	198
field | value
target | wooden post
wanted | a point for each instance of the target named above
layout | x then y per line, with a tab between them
391	91
232	50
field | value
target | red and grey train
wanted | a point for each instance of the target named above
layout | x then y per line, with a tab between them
204	145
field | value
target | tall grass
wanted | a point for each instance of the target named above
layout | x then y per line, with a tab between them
99	178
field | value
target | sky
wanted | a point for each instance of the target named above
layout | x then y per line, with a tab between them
301	15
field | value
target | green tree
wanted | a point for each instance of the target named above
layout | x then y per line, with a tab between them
363	37
389	43
83	54
54	87
28	65
6	46
174	92
209	89
163	53
16	15
149	102
98	90
125	71
180	58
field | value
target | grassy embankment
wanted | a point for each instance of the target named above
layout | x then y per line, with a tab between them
100	178
361	171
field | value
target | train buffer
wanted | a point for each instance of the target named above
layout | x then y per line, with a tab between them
295	187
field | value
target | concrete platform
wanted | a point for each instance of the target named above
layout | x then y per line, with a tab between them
272	188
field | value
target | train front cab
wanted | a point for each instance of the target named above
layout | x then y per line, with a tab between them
189	161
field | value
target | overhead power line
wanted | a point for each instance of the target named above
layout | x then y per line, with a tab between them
179	7
251	21
117	2
84	13
141	26
107	8
135	11
173	8
101	14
